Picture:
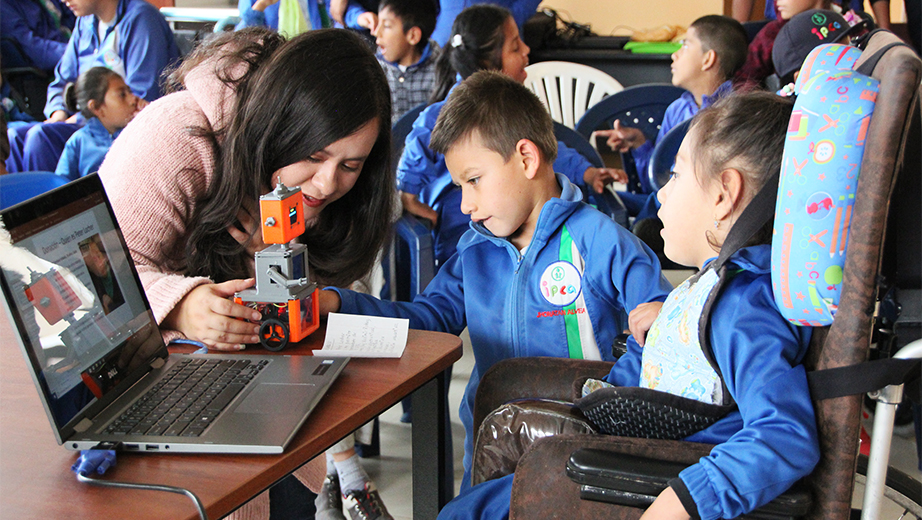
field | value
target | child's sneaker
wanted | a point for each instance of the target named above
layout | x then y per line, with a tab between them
329	501
366	504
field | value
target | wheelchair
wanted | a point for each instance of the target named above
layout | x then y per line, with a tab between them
542	488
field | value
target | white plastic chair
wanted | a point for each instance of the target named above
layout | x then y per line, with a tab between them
568	89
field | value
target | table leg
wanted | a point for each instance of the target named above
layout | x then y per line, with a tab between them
432	488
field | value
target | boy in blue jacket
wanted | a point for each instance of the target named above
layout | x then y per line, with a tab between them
539	273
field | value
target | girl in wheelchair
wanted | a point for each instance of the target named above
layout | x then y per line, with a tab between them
741	363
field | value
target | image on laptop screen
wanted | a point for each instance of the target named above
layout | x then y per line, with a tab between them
72	292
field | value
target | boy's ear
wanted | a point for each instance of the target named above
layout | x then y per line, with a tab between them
529	156
414	35
709	61
728	193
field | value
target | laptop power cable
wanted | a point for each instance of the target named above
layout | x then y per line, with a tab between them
102	457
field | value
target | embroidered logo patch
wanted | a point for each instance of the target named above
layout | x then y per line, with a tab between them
560	283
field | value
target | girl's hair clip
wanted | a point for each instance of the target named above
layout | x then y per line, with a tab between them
457	41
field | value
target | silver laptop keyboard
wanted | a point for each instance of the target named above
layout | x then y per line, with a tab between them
187	399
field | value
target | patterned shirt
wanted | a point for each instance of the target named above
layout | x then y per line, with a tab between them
411	87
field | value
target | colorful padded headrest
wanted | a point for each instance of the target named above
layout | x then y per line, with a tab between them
828	58
816	192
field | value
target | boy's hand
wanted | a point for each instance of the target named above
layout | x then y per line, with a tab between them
368	20
329	302
208	315
666	506
261	5
598	178
641	319
623	138
413	206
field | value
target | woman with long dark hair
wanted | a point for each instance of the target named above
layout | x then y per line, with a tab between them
247	110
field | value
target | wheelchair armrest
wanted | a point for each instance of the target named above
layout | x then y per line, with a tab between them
634	480
531	377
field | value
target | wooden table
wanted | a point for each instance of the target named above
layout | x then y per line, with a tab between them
36	480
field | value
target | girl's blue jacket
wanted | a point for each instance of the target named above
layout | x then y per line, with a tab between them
497	293
770	441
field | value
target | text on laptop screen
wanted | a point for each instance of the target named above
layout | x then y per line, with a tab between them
71	286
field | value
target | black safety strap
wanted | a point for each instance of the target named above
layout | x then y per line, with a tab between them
862	378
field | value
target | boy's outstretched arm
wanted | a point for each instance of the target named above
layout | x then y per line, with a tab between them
623	138
329	302
667	506
413	206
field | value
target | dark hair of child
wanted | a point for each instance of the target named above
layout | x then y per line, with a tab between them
727	38
745	132
90	86
414	13
501	110
479	46
295	98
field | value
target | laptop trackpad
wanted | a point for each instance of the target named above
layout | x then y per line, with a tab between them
269	398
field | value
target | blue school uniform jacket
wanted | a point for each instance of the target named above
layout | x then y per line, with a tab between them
41	37
770	441
505	298
270	16
423	173
765	446
138	45
85	150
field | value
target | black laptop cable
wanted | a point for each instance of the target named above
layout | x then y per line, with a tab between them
102	457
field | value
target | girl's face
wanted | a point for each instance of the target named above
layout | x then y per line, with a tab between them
330	173
788	8
515	52
687	212
118	107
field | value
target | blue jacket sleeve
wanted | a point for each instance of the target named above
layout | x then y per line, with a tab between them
248	16
418	164
571	163
147	48
65	72
439	308
759	354
521	9
69	163
43	49
353	11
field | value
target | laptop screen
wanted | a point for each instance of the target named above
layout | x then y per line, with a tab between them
73	294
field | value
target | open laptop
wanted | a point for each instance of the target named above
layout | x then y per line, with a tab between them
97	357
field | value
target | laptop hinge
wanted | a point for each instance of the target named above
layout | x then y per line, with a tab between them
83	425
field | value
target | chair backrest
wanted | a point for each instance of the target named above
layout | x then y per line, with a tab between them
640	106
847	340
19	187
608	201
567	89
401	130
663	158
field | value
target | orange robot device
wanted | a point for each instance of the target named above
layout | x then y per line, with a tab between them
284	295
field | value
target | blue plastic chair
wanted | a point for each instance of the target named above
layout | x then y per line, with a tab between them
640	106
20	187
401	130
663	159
608	201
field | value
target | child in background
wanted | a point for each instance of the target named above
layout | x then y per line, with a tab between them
103	98
770	441
484	37
800	36
405	51
758	64
713	50
538	273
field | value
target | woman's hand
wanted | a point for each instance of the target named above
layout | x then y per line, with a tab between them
207	314
641	319
623	138
598	178
667	506
250	236
413	206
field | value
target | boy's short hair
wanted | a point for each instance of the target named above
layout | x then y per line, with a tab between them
414	13
727	38
501	110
